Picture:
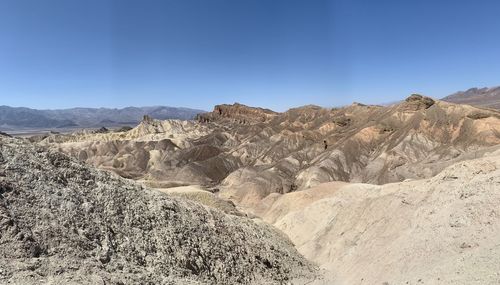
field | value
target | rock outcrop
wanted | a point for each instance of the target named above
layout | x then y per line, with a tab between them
237	113
62	222
417	102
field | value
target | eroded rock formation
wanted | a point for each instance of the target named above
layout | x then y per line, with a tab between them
237	113
248	153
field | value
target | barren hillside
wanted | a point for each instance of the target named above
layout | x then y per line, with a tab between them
443	230
404	194
247	153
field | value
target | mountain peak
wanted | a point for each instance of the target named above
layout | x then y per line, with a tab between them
483	97
417	102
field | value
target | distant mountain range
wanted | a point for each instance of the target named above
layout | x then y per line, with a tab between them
482	97
19	118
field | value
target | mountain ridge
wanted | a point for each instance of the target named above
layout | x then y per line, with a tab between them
488	97
19	118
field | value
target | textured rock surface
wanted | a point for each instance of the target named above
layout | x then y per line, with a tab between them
417	102
237	113
62	222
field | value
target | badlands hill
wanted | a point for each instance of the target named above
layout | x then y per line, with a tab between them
442	230
483	97
247	153
62	222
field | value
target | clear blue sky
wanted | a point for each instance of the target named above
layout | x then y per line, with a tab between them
271	53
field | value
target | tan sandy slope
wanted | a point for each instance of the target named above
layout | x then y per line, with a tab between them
443	230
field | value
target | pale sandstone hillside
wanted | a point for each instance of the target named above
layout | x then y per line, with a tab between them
443	230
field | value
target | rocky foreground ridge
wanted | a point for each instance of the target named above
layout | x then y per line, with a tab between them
62	222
